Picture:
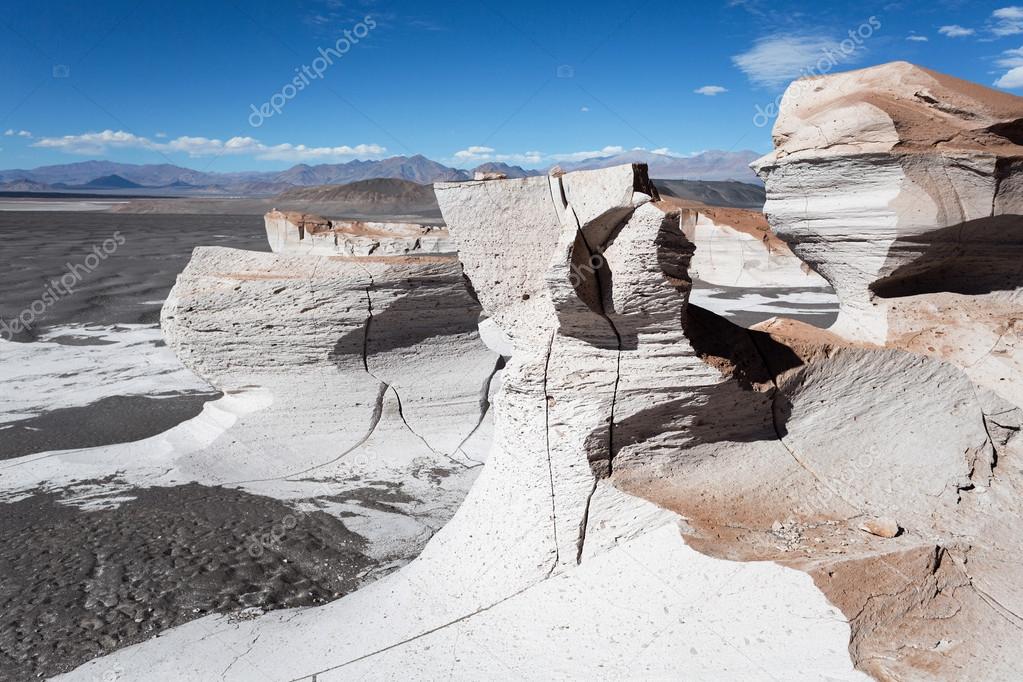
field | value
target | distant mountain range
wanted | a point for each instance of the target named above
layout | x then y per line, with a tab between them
715	192
381	195
178	181
710	165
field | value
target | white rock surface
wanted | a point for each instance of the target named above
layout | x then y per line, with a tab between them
698	618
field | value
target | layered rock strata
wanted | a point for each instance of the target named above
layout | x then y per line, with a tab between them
904	189
306	234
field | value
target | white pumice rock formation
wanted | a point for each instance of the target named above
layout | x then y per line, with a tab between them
628	420
547	569
311	235
904	189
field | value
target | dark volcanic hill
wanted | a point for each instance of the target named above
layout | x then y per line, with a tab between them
381	193
715	193
109	182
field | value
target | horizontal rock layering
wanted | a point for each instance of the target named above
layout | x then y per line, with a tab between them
904	189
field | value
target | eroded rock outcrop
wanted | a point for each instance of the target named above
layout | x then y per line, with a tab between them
311	235
890	478
375	383
904	189
588	281
875	470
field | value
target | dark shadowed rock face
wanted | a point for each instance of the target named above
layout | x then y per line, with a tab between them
79	584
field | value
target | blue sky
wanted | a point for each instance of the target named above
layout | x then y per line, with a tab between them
529	82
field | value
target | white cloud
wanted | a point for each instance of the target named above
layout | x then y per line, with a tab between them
956	31
11	132
1013	61
1011	58
917	39
100	143
1008	21
475	152
1011	80
161	135
300	152
610	150
776	60
710	90
584	109
480	155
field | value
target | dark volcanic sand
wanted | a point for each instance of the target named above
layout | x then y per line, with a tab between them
75	585
117	419
129	286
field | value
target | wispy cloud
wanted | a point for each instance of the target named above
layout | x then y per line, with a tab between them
1007	21
104	141
917	38
11	132
331	17
535	159
710	90
1013	61
479	154
956	31
475	152
776	60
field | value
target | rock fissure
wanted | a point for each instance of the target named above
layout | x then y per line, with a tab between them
604	295
394	391
547	399
485	408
